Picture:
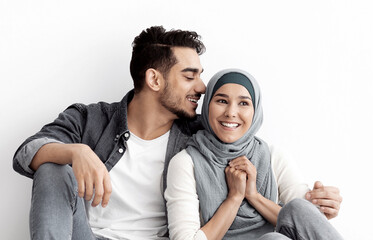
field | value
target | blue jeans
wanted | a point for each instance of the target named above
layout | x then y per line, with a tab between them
57	212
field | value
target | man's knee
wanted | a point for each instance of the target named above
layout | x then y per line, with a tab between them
51	175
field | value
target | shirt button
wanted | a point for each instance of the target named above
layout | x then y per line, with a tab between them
120	150
126	135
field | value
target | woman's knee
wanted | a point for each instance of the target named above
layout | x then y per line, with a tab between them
273	236
296	212
298	206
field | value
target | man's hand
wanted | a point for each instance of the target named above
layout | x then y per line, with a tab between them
327	198
91	175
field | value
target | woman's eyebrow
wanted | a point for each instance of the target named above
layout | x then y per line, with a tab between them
226	96
245	97
221	95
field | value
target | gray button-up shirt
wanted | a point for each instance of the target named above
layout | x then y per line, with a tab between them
101	126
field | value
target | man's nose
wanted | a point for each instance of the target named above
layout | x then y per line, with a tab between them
200	87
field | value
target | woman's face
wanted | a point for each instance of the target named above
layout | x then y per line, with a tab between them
231	112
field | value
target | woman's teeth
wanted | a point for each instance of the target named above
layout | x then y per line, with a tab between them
229	125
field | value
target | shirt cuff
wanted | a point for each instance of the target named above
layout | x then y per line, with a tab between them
27	152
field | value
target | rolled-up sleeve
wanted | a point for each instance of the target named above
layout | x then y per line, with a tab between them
25	155
67	128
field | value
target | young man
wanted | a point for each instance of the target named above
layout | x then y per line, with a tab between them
133	139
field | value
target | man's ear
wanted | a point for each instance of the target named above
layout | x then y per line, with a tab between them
153	79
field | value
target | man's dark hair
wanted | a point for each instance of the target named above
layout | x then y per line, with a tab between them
152	49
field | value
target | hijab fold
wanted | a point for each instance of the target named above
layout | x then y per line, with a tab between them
211	156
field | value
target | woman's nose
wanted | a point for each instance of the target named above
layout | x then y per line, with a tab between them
231	111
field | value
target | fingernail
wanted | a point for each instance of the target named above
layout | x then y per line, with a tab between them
308	196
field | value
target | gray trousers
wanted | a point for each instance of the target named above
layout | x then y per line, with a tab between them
300	220
57	212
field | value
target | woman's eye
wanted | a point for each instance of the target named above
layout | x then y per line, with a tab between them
221	101
244	103
189	78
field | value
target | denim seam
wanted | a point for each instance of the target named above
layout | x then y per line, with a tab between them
32	233
73	203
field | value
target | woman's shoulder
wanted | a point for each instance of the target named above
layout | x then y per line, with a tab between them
180	173
279	158
182	161
182	156
275	150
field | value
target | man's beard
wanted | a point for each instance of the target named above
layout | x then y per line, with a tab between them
171	103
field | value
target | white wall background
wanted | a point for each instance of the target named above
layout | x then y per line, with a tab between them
313	60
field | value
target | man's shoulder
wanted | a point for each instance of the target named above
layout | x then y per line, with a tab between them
92	109
102	106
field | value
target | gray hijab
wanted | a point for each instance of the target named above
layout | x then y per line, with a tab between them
211	156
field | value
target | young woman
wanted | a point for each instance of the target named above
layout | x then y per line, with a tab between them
223	185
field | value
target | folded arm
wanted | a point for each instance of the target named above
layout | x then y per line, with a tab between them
67	128
91	174
60	142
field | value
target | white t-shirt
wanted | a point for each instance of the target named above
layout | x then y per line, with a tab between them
182	199
136	209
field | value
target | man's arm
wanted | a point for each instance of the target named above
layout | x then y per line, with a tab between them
60	142
90	173
66	128
291	185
